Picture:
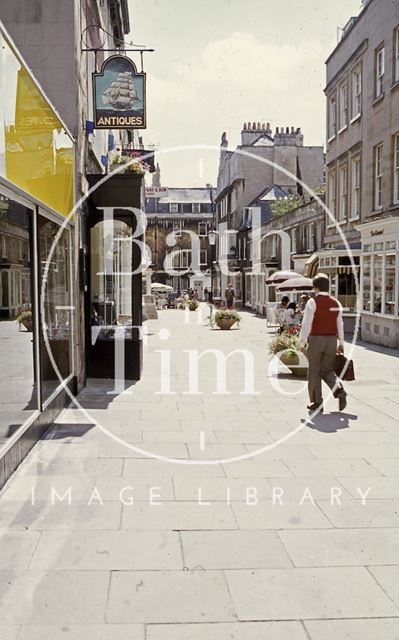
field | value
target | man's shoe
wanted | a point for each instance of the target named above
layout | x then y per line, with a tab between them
314	406
342	400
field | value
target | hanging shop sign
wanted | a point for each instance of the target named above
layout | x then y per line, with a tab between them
119	95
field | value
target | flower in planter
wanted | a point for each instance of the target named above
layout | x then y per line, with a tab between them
25	318
192	305
227	314
283	341
116	159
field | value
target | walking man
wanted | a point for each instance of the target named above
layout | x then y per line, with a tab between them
322	324
229	295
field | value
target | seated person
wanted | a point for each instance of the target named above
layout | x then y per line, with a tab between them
290	315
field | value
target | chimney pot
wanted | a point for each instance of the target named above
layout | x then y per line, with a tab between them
244	126
287	130
277	130
258	126
254	125
263	126
292	129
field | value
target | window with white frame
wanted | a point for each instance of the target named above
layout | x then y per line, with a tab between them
396	170
274	246
378	177
343	106
177	228
311	237
293	240
396	54
356	92
355	192
332	194
379	71
182	259
202	229
332	117
173	207
343	193
203	257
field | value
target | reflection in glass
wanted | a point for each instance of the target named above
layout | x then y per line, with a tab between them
57	304
390	284
18	391
36	153
377	284
367	283
111	279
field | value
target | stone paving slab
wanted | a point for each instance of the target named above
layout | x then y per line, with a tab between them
60	515
81	632
287	594
290	515
225	631
386	629
350	547
233	550
108	550
169	597
53	597
178	516
352	513
8	631
388	578
17	548
224	490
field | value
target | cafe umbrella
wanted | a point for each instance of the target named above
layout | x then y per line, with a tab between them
296	284
281	276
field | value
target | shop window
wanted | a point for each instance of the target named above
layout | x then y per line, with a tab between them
367	283
177	228
390	294
377	280
55	261
18	381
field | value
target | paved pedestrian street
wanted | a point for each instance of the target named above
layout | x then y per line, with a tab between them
175	511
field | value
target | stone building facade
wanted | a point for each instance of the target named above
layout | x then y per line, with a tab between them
363	162
263	166
178	223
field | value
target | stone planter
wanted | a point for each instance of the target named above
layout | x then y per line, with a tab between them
225	323
291	360
27	323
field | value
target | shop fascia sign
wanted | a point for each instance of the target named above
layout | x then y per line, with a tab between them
156	192
119	95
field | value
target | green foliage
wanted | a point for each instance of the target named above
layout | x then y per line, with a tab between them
227	314
284	341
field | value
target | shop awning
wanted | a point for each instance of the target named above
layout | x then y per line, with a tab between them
333	270
312	265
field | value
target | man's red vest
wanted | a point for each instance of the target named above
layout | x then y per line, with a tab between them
325	317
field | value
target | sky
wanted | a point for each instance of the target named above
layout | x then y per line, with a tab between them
220	63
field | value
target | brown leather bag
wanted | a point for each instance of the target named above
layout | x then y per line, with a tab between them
344	368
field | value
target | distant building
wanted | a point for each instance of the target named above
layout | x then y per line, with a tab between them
264	166
175	213
363	166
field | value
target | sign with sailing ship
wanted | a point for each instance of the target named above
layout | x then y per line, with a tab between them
119	95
